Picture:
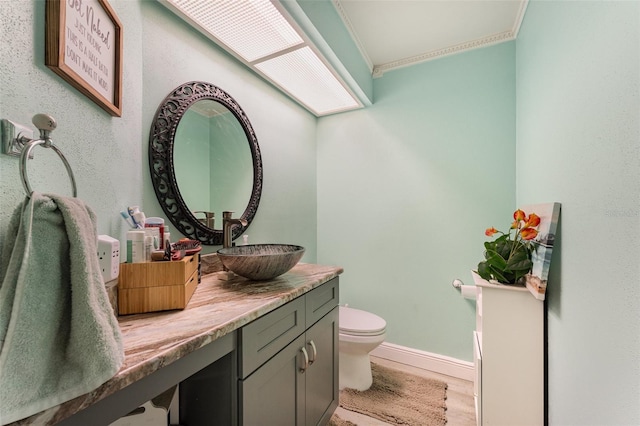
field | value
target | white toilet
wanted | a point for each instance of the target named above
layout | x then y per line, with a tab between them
360	333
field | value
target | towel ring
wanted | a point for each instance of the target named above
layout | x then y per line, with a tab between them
45	123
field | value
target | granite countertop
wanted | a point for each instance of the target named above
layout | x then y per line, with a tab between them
217	307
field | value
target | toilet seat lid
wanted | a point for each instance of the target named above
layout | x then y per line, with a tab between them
355	321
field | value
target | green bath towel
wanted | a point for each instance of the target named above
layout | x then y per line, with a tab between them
59	338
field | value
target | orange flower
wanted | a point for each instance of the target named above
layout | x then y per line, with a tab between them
528	233
519	215
490	231
533	220
509	258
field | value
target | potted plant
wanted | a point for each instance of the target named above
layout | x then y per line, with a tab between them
508	257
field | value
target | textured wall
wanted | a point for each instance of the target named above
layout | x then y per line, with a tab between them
407	187
104	152
578	121
173	54
109	155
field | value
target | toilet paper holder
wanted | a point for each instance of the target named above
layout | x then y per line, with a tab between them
466	291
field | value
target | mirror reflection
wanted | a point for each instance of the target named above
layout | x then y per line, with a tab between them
212	161
204	159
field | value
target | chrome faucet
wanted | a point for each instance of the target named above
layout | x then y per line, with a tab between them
227	224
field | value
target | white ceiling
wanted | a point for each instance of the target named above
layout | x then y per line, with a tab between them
396	33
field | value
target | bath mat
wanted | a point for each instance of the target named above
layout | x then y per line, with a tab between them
337	421
399	398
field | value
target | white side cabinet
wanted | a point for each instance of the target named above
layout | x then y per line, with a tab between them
509	356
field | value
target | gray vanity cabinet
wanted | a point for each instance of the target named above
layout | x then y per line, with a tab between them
288	362
321	398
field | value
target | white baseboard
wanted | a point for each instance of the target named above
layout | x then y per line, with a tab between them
428	361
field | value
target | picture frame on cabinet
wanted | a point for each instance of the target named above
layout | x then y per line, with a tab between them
549	214
83	45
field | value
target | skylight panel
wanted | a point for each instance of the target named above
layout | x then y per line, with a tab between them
302	74
251	28
267	40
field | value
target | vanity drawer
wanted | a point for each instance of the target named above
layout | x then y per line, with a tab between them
267	335
157	274
152	299
321	300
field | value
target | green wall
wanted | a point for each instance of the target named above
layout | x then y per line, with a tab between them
334	40
407	187
175	53
109	155
105	153
578	121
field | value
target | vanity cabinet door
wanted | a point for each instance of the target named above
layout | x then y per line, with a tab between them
288	365
321	397
274	394
284	392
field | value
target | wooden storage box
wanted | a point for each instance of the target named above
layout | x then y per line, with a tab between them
156	286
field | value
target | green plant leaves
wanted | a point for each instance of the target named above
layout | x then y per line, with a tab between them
495	259
484	271
520	261
505	260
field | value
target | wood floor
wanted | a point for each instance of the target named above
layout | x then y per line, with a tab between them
460	406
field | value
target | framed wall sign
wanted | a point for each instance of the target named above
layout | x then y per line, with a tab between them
83	45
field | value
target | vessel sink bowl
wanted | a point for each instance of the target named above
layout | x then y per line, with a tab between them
260	261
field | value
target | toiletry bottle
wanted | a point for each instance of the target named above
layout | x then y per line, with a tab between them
148	248
167	234
135	246
154	233
157	222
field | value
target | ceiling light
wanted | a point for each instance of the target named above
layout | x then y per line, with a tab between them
253	29
265	38
305	77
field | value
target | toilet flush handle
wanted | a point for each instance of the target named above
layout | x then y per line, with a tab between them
314	352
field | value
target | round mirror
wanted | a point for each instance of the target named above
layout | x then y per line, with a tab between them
204	159
212	162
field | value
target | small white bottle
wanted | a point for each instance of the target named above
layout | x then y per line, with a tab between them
135	246
148	248
154	233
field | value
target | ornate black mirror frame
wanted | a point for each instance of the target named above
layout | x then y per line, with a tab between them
163	176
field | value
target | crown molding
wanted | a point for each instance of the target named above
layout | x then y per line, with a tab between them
379	70
519	18
352	32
